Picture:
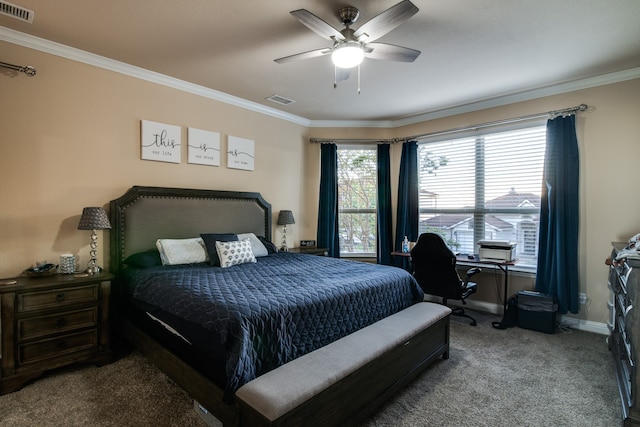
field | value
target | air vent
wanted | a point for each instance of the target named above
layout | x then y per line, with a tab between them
16	12
280	100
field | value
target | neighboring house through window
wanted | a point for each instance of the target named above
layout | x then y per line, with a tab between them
484	186
357	196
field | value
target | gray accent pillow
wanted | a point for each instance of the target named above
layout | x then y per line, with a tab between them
256	245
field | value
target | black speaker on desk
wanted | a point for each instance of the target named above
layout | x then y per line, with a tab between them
537	311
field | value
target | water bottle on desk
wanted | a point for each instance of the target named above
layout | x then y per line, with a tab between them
405	245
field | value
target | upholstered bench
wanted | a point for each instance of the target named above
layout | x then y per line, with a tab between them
360	369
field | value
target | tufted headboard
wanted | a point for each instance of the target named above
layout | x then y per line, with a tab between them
144	214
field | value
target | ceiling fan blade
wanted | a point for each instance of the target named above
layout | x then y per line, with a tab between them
317	25
390	52
386	21
304	55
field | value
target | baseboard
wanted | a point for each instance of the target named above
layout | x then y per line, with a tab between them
585	325
487	307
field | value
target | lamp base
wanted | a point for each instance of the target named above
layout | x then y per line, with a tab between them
93	270
284	248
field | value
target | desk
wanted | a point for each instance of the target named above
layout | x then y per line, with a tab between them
475	262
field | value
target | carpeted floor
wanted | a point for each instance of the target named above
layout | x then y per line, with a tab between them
512	377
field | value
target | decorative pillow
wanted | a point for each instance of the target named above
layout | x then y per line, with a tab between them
233	253
182	251
146	259
271	248
210	243
256	245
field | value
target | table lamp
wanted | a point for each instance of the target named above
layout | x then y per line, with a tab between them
94	218
285	218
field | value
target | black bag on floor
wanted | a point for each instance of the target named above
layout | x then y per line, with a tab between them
510	317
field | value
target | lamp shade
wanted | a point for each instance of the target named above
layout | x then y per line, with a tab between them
94	219
285	218
348	55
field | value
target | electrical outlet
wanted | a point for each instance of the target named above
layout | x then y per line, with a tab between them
583	298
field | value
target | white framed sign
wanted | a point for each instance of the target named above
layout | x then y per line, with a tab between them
204	147
240	153
160	142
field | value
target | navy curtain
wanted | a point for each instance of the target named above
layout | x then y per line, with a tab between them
407	221
559	214
385	242
328	205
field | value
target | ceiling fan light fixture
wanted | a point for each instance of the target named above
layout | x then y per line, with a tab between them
348	55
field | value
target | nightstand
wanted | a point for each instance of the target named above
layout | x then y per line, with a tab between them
49	322
309	250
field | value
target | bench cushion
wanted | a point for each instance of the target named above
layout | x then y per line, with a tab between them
286	387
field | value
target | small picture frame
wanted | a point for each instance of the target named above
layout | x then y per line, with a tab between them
240	153
307	243
204	147
160	142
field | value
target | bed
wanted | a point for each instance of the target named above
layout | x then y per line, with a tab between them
214	329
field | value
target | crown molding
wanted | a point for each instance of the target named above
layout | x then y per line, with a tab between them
53	48
47	46
528	95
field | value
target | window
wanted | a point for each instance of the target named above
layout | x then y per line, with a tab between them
357	200
486	186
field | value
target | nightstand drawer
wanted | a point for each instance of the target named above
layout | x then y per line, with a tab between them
35	327
58	347
57	298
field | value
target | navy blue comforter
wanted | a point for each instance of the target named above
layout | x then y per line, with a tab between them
273	311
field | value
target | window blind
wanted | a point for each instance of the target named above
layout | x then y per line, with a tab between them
485	186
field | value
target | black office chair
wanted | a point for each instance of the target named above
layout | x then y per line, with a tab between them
434	267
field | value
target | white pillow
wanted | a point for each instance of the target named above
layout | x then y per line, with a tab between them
256	245
182	251
233	253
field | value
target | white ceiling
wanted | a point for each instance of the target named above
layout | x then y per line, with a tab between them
473	51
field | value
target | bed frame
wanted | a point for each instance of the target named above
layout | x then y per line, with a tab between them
144	214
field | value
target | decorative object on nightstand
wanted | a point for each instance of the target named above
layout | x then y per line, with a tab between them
67	264
94	218
285	218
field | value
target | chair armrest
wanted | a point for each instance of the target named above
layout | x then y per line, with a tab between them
471	272
474	270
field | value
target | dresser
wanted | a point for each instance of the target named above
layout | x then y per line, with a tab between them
49	322
624	327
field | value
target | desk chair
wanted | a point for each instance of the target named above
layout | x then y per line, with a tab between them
434	267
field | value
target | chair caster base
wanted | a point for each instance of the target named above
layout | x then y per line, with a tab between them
459	311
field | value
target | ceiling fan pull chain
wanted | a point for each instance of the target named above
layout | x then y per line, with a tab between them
335	77
358	79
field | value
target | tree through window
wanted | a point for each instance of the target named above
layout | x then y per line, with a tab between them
357	197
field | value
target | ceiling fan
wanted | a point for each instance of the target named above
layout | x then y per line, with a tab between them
350	46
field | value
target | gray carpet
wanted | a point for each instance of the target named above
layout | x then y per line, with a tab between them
512	377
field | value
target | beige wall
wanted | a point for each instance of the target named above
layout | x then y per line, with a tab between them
70	138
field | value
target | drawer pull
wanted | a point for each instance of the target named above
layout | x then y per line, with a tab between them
61	323
61	345
60	297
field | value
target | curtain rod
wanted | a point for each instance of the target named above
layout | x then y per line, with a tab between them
28	70
549	114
